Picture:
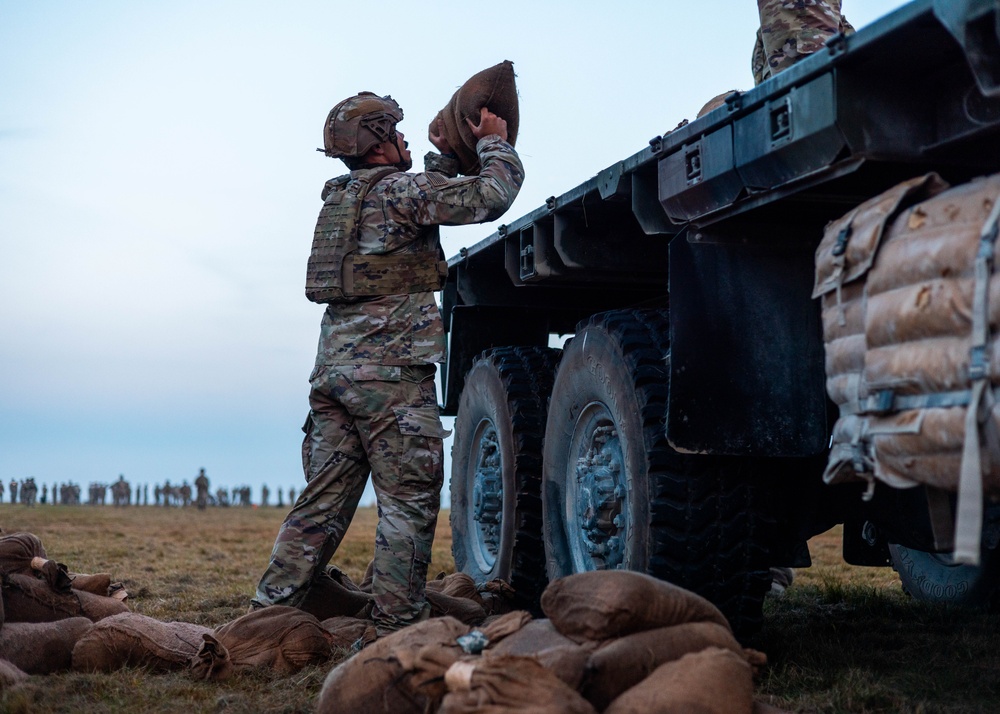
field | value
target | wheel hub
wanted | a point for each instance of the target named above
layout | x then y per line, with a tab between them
487	494
601	505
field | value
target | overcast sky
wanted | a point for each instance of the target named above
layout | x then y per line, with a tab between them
159	185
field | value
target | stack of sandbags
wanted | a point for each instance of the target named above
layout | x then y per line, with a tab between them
333	594
493	88
613	641
133	640
281	638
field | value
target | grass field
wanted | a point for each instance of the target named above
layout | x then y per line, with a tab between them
843	639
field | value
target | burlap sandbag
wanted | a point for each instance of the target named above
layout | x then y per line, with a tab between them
28	599
17	550
621	664
333	594
375	680
468	611
506	683
556	652
497	597
345	631
281	638
456	585
98	583
133	640
493	88
605	604
713	681
97	607
10	674
42	647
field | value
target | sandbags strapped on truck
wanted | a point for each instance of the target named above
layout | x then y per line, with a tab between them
910	309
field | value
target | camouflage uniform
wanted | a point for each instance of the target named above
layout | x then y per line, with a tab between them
201	484
373	403
792	29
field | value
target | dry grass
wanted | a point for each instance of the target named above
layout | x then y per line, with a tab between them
843	639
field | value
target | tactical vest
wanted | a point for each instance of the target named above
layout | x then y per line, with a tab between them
338	273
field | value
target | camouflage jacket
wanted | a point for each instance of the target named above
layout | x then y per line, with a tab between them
400	214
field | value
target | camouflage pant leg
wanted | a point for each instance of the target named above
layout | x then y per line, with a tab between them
336	471
791	30
404	442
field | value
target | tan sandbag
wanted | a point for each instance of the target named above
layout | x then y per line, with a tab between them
42	647
98	607
345	631
133	640
10	674
332	594
493	88
621	664
17	550
375	681
713	681
281	638
468	611
501	684
715	102
605	604
456	585
503	626
98	583
554	651
28	599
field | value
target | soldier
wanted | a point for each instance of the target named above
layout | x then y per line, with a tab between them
13	491
201	484
265	494
793	29
373	403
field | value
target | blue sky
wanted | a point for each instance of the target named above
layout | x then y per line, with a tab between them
159	185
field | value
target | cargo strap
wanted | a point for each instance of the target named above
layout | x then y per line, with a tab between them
969	520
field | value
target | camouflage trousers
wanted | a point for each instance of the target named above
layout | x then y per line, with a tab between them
365	419
793	29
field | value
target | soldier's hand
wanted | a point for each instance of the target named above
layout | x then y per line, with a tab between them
489	123
437	137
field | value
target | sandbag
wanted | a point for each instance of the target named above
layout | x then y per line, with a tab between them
345	631
456	585
281	638
333	594
42	647
133	640
468	611
605	604
375	680
17	550
713	681
98	607
554	651
493	88
10	674
497	597
508	683
98	583
621	664
28	599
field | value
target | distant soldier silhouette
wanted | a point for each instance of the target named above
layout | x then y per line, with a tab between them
201	483
265	494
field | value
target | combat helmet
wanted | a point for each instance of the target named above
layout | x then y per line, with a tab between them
358	123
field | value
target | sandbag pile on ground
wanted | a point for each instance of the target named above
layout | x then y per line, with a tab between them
612	641
36	589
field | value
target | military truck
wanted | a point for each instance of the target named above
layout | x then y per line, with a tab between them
682	428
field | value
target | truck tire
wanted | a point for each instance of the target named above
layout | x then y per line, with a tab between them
934	577
616	495
496	508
